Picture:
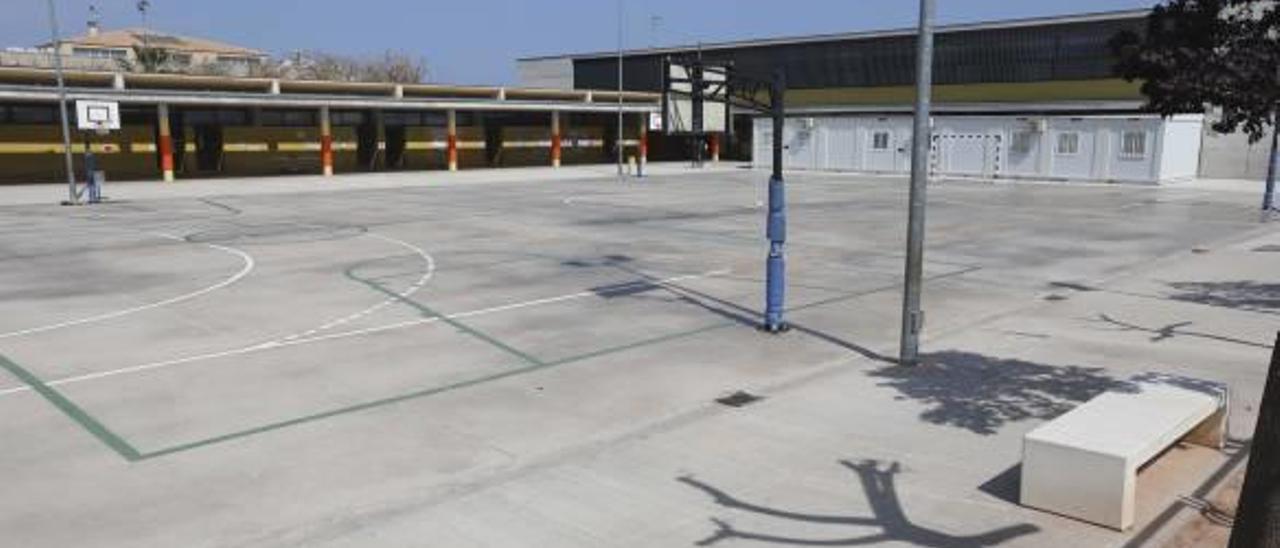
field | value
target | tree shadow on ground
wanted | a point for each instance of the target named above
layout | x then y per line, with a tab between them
1175	330
1241	294
982	393
888	520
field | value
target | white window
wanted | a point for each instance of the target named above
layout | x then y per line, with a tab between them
880	140
1133	144
1023	142
1068	144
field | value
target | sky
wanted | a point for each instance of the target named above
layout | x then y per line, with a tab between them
478	41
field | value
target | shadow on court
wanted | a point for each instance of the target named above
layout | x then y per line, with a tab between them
888	521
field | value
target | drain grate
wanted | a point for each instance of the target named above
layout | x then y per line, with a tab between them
739	399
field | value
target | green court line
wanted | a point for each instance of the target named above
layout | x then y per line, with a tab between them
425	393
72	411
429	313
124	449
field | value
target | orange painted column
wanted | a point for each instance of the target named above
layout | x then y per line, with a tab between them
715	146
644	141
165	143
326	142
451	150
555	139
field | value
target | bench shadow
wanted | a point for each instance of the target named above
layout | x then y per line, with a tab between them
1006	486
887	522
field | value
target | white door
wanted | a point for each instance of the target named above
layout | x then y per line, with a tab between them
841	144
880	149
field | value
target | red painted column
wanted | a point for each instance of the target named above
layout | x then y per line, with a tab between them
326	142
644	140
555	139
451	150
165	143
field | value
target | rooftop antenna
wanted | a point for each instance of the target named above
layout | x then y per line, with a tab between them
143	7
95	20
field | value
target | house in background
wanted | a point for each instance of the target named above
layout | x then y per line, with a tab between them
113	50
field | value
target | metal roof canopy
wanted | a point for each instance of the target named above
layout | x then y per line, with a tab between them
1002	109
36	85
862	35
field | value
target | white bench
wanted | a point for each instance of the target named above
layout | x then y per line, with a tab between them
1084	464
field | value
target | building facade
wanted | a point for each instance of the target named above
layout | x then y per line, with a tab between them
184	126
1035	98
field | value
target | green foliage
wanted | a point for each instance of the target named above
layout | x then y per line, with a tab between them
1196	54
149	60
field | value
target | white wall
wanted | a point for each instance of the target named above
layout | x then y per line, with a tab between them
554	73
1180	147
996	146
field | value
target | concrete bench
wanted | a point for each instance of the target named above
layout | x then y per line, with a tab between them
1084	464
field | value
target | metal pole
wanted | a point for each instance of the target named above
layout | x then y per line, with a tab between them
912	315
776	265
1268	197
72	198
621	149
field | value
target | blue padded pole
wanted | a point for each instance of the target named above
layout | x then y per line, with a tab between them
776	264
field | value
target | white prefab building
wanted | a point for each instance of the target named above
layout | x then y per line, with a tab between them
1137	148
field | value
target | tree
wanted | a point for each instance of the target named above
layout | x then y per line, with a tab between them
148	59
391	67
1210	53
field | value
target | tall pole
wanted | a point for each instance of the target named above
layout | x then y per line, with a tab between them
620	146
912	315
72	198
1268	197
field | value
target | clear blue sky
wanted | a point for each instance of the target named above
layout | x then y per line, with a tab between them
477	41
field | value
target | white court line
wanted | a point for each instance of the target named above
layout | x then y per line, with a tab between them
422	281
346	334
248	266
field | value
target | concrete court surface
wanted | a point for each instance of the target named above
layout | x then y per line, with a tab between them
531	358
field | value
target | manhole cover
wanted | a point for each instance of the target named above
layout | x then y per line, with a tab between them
739	399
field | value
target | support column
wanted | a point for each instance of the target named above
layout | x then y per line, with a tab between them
714	144
555	139
451	145
164	142
644	143
380	162
326	141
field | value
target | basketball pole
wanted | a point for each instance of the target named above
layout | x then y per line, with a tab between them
912	314
776	225
72	197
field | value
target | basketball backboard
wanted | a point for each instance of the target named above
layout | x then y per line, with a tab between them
99	116
679	97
